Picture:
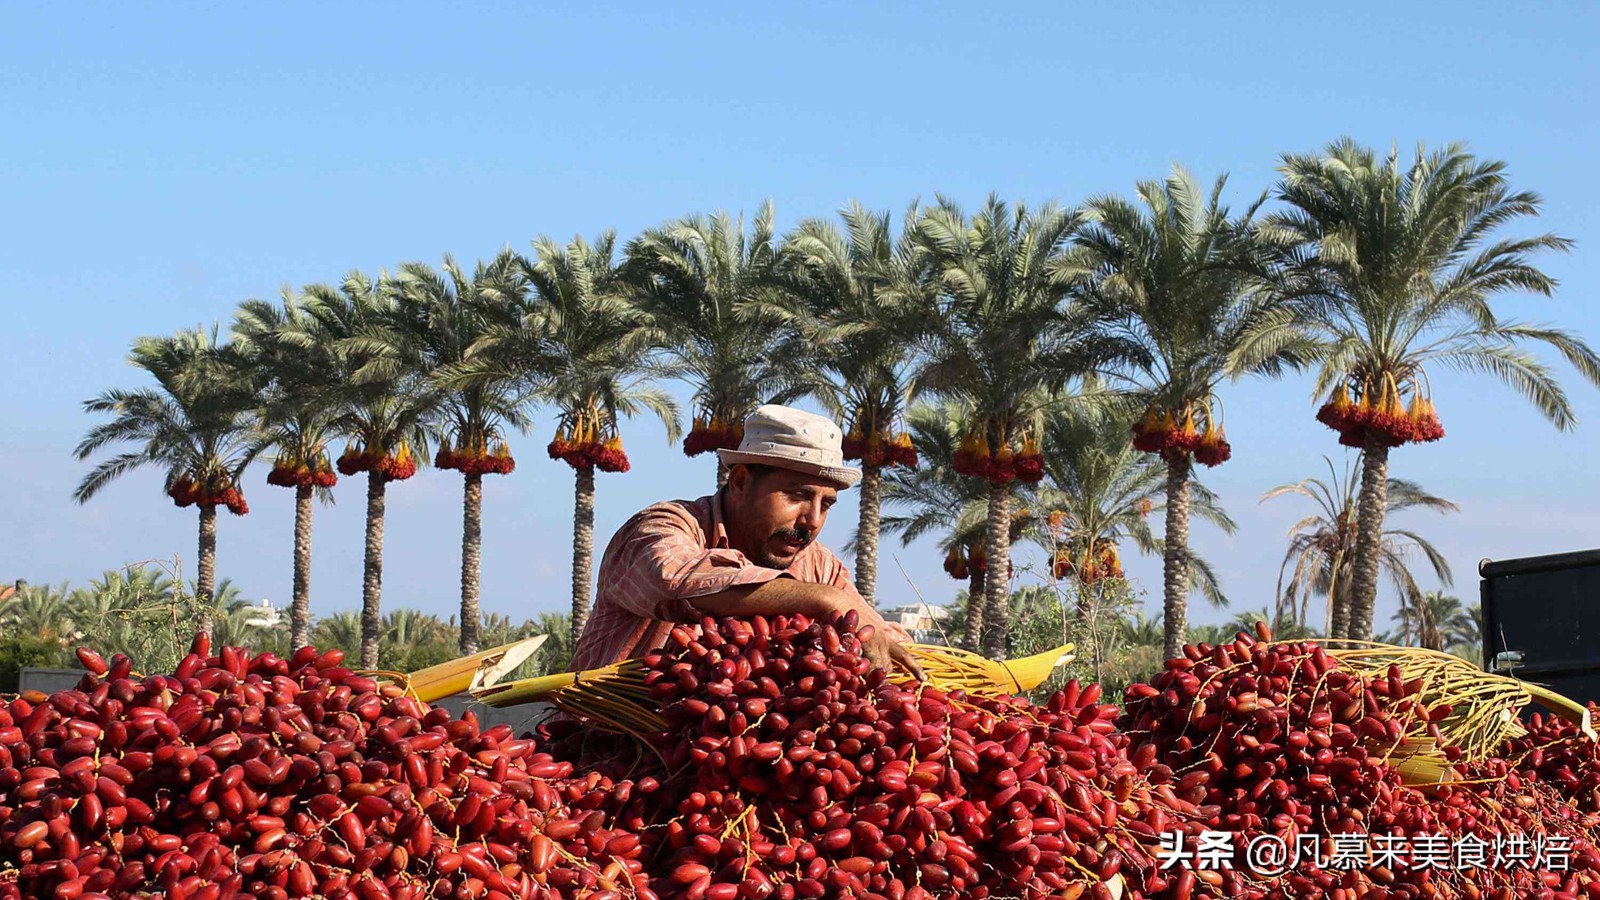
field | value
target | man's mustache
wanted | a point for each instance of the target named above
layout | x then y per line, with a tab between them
801	536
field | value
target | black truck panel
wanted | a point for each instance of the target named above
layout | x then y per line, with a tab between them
1547	608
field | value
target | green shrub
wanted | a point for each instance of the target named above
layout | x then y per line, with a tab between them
419	656
20	651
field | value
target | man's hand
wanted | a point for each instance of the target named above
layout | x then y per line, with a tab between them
785	596
888	653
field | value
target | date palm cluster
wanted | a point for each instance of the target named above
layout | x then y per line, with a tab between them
1001	465
961	562
475	457
879	449
713	431
290	472
1098	560
208	492
1378	414
1176	435
398	465
583	447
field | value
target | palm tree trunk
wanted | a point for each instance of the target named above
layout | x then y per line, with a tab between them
471	560
1089	610
372	573
997	581
1369	535
300	605
977	599
206	568
1429	634
722	473
1338	618
583	547
867	532
1175	565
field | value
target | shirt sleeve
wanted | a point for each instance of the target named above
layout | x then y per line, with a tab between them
664	564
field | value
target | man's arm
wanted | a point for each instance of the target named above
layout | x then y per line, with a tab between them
778	597
788	597
658	564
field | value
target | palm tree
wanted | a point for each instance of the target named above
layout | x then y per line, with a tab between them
1436	620
1138	630
934	499
1399	268
1176	276
413	639
297	412
1283	628
703	278
235	620
39	609
999	343
342	630
1463	634
196	426
1320	560
444	328
1101	492
385	406
600	361
109	606
851	305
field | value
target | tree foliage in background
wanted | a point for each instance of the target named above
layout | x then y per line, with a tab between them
1438	621
140	611
1002	344
440	326
385	412
1395	269
1320	560
1182	282
295	415
197	426
24	650
851	305
704	280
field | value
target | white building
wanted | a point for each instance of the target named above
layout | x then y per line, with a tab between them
265	616
917	617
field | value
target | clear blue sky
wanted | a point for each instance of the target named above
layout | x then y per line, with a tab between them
162	162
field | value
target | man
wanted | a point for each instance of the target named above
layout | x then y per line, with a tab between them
750	549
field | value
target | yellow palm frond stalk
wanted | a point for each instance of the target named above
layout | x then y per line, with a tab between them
478	670
949	668
614	696
1483	705
1420	762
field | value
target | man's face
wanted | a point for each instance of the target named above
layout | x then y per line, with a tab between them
772	517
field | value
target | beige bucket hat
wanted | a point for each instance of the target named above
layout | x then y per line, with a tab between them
793	439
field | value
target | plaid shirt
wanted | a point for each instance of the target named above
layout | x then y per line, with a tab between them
669	554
